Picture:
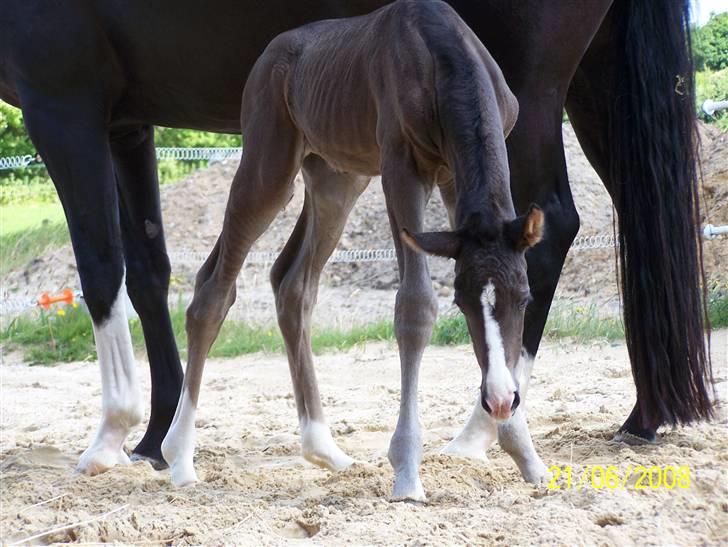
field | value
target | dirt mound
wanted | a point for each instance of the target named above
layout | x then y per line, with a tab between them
194	208
255	488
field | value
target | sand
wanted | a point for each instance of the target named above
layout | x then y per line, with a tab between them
256	489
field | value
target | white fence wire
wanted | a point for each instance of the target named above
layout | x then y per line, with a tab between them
163	154
14	306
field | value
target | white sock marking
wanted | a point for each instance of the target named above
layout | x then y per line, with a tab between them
319	448
121	399
178	447
476	437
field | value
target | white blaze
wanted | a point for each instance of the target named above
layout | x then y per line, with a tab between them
499	383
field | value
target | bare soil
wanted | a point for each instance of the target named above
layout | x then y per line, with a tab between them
255	489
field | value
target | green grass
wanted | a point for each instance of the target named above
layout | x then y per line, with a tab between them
19	248
582	323
47	337
718	306
28	216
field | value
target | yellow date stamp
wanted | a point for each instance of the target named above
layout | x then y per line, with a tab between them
639	477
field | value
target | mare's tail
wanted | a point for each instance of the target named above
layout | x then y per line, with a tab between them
654	156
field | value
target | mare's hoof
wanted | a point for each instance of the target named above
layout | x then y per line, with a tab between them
647	437
157	463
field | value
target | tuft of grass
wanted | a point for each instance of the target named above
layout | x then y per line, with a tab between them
451	330
718	307
582	323
48	337
338	339
19	248
66	334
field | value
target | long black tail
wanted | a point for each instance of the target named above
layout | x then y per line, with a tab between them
654	164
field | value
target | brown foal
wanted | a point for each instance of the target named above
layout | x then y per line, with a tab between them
408	92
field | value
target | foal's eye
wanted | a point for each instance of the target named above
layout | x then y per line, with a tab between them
524	302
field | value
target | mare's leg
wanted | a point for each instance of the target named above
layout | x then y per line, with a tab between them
414	316
71	136
262	186
330	195
147	277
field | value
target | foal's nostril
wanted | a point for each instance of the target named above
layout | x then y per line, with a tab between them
516	401
484	402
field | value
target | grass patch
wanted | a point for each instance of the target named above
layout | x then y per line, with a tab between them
19	248
48	337
582	323
451	330
29	216
718	307
67	335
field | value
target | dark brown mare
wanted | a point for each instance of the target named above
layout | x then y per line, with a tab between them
92	77
408	92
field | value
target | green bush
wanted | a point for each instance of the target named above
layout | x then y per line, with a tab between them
33	183
14	140
712	85
710	43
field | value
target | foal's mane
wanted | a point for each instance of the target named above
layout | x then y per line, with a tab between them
470	124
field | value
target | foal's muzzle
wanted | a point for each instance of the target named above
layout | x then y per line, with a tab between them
504	410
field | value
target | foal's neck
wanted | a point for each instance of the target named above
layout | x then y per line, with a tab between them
482	178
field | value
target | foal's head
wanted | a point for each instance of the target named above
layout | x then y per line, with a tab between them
491	289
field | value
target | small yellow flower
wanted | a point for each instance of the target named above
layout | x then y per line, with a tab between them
270	333
75	305
61	312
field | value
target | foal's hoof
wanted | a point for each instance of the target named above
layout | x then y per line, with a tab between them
183	474
534	472
98	460
461	449
408	489
319	448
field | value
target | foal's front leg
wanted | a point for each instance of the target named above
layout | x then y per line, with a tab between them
482	430
414	318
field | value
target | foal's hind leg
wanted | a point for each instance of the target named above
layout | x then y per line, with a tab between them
147	277
262	186
414	317
295	276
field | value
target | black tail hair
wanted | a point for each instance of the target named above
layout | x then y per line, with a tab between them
654	157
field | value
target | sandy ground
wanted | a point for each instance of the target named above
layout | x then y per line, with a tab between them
257	490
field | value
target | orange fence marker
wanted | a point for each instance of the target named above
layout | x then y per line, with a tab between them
46	300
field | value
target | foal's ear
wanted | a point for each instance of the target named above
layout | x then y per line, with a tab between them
445	244
526	230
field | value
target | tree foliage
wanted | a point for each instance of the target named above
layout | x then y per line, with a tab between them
14	140
710	43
